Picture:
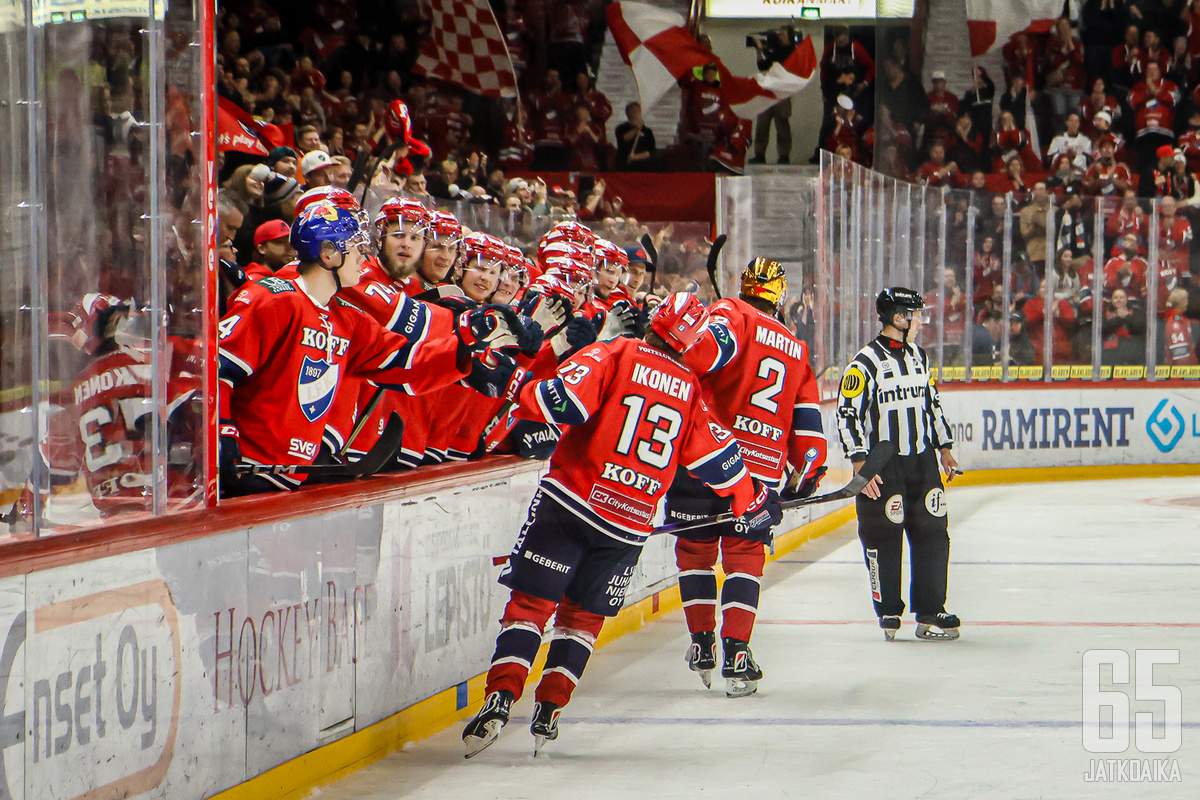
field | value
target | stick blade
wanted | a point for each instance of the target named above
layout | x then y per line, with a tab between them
382	451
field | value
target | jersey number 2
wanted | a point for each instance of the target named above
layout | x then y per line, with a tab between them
774	370
657	450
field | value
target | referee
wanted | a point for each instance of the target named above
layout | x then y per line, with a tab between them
887	394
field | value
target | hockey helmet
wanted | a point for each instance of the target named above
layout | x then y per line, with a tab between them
95	319
609	257
486	248
572	232
764	279
332	194
680	320
445	228
402	209
895	300
515	266
325	222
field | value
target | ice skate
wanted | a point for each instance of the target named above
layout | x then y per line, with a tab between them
485	727
545	724
937	627
739	670
702	655
890	624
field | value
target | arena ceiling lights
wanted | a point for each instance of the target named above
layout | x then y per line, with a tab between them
810	9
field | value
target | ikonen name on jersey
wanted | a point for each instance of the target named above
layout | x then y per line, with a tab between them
311	337
780	341
132	375
667	384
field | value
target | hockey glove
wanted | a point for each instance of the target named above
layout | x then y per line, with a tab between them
531	338
229	453
618	321
806	489
552	312
493	374
489	327
764	512
233	273
578	334
535	439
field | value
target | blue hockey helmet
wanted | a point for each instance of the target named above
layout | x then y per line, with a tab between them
324	222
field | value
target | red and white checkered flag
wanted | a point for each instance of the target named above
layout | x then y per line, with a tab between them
465	47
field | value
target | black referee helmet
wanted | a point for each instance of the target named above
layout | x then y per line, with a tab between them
896	299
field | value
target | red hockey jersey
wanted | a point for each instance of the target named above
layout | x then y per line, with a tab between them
283	358
756	378
635	414
1181	347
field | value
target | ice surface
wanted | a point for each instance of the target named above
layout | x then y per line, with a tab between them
1039	574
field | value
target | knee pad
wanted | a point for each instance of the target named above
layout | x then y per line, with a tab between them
742	556
527	609
572	621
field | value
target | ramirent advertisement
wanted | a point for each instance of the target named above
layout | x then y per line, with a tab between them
1074	427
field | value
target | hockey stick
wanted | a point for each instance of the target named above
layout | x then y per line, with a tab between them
360	169
877	459
362	420
647	244
371	462
714	253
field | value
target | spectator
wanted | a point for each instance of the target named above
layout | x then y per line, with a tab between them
1015	101
1106	177
1062	326
1073	234
444	183
1128	61
1102	124
1008	143
1178	339
586	142
845	129
1014	181
943	109
843	55
987	269
1128	219
566	52
1093	103
635	142
548	107
803	314
1071	143
1153	103
1126	270
772	49
341	172
308	139
1159	179
977	102
1189	141
1153	51
949	307
1063	173
282	160
1181	69
966	147
516	137
1067	283
449	127
1020	349
936	172
985	339
1183	183
593	100
704	112
272	249
1063	68
416	187
1174	238
1024	278
1033	226
1020	60
1123	331
317	168
902	95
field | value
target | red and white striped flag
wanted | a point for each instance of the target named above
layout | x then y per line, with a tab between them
992	23
657	47
465	47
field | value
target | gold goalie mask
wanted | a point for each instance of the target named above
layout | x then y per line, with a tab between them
764	279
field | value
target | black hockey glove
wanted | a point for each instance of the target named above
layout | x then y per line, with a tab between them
552	312
489	327
493	374
806	489
578	334
531	337
233	273
535	439
764	512
229	453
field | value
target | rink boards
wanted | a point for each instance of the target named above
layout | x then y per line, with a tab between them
181	670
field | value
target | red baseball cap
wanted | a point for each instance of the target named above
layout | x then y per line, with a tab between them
275	229
1165	151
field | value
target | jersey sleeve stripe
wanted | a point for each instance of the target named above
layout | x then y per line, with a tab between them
559	405
227	361
712	469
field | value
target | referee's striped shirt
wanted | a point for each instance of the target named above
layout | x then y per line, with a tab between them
887	394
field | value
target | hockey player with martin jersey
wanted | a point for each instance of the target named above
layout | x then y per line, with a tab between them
634	413
756	378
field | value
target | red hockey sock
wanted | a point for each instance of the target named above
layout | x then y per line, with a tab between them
575	632
517	645
698	582
743	561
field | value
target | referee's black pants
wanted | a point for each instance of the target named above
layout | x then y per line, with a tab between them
913	502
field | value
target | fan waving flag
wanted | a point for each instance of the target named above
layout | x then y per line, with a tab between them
465	47
657	47
991	23
238	130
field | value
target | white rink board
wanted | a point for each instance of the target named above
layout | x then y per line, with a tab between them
1016	428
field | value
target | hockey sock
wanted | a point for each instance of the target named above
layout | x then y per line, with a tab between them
517	645
698	582
743	561
571	643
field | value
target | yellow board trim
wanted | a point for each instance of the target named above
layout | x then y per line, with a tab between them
295	779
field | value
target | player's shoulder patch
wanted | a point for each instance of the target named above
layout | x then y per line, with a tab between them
853	382
276	285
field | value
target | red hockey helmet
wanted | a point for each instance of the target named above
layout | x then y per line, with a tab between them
485	247
402	209
515	265
610	257
445	228
338	197
680	320
571	232
94	320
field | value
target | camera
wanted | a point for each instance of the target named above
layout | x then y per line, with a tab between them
770	39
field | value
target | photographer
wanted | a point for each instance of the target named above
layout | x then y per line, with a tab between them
773	47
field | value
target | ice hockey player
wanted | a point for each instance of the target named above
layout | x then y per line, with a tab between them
756	378
634	412
286	345
887	394
442	250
